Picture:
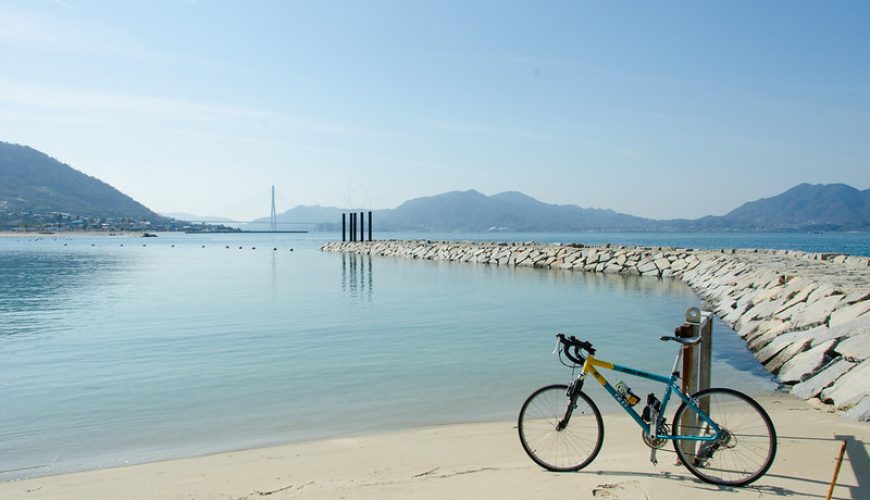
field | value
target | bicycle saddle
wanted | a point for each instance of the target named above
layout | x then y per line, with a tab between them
682	340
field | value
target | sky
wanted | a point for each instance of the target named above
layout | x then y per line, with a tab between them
658	109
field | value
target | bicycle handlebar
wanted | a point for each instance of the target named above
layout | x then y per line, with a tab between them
576	344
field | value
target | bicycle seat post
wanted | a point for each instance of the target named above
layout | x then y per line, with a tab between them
677	361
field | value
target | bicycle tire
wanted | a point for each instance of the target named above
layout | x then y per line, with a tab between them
566	450
747	448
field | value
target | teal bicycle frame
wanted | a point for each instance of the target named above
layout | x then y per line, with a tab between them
589	367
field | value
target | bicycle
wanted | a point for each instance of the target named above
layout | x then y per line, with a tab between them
721	435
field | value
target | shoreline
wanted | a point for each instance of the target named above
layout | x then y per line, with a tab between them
805	316
71	234
474	460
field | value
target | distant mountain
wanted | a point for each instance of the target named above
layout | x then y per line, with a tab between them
805	207
31	181
829	207
471	211
305	217
314	214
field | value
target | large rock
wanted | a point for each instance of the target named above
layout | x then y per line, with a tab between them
612	268
822	291
679	265
814	385
773	364
647	267
857	296
731	315
852	328
767	332
856	348
850	312
768	294
818	312
805	364
849	389
861	411
663	264
800	296
763	310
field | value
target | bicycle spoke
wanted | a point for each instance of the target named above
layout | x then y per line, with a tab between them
746	447
566	449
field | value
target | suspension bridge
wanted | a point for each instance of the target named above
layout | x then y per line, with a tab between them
273	222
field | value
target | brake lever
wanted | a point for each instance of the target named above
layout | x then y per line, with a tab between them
558	349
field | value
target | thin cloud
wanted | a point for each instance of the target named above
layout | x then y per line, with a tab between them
47	96
34	31
491	130
65	5
312	149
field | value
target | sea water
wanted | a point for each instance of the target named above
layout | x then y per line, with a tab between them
118	350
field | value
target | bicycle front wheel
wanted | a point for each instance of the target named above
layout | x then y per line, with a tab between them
745	448
556	447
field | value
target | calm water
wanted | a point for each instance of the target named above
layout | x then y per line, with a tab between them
114	354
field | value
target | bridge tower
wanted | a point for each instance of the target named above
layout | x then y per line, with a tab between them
273	218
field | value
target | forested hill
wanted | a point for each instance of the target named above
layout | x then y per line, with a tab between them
805	207
31	181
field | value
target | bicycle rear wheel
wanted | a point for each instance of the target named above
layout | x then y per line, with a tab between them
567	449
746	447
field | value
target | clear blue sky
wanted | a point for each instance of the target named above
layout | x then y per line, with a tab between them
658	109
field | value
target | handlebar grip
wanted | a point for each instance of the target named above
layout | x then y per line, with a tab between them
576	357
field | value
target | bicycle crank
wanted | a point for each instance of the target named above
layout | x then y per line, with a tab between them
655	443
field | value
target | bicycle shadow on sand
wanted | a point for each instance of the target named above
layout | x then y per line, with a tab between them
758	487
856	458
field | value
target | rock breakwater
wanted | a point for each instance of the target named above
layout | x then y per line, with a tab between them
805	316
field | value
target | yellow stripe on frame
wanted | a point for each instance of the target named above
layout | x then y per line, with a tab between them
602	364
598	377
589	367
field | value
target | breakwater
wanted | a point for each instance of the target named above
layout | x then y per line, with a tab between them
805	316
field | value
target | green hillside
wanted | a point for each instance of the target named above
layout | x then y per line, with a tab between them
31	181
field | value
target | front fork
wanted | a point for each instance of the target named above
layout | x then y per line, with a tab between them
572	393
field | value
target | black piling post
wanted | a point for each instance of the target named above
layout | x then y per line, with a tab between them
370	226
343	227
353	227
362	235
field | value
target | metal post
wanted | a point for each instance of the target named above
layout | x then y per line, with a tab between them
362	235
689	419
689	370
352	227
705	329
343	227
696	365
370	226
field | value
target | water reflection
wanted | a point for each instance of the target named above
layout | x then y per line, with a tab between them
356	275
38	282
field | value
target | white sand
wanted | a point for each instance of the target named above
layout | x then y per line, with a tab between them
476	461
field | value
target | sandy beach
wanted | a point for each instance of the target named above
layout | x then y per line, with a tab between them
480	460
